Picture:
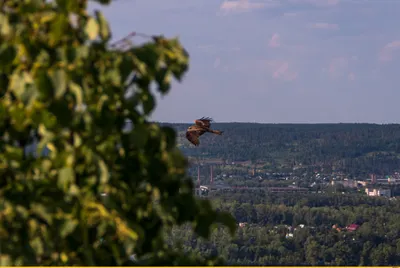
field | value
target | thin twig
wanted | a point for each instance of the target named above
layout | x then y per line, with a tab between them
127	38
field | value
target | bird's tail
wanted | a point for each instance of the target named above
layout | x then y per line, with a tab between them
218	132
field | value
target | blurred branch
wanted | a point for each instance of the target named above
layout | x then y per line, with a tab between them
126	42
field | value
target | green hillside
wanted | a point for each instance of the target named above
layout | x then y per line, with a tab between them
353	148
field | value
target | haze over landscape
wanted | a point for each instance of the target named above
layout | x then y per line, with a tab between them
276	61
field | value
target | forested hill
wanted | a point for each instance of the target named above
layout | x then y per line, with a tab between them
347	147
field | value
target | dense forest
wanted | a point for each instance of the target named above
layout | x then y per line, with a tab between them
303	229
324	226
357	149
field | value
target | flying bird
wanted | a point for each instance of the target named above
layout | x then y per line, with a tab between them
200	127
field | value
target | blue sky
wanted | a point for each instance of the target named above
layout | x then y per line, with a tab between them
276	61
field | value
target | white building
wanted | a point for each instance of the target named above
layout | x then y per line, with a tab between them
378	192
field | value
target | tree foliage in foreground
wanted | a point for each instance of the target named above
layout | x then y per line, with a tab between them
63	88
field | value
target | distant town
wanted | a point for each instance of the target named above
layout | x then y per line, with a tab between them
374	185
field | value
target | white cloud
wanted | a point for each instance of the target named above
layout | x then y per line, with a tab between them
318	3
245	5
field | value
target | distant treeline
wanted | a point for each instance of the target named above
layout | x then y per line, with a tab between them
357	149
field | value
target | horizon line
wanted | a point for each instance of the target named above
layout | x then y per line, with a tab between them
284	123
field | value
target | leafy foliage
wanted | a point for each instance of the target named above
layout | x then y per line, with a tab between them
64	89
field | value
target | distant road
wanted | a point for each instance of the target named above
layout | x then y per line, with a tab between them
269	189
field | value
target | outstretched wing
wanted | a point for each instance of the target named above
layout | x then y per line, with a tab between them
193	137
193	133
204	122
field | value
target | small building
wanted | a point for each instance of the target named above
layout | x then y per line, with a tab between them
242	224
336	227
346	183
352	227
378	192
362	183
289	235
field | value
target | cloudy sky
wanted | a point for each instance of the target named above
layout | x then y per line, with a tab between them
276	61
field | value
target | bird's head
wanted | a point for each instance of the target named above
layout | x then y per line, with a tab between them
190	127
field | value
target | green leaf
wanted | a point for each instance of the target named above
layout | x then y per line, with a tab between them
104	2
58	28
66	177
4	84
47	138
205	218
148	102
202	227
104	173
163	78
140	135
77	140
17	115
7	55
49	120
61	111
59	80
77	91
46	165
13	153
113	77
44	85
3	114
5	28
92	28
47	16
102	229
68	227
41	211
37	245
29	94
77	54
68	5
82	52
125	68
101	103
31	6
18	85
104	27
170	137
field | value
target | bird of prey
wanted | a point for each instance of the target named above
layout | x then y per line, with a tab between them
200	127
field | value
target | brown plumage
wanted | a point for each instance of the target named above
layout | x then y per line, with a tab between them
200	127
